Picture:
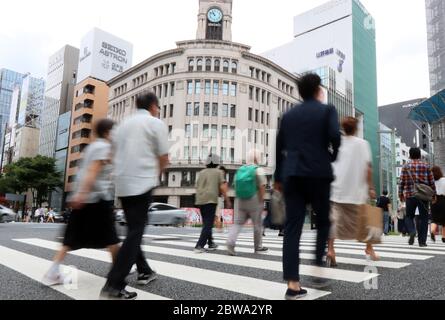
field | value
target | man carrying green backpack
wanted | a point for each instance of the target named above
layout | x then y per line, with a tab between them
250	188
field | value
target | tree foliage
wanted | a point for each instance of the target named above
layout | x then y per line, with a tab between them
39	175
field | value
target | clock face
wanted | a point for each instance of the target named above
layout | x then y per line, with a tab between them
215	15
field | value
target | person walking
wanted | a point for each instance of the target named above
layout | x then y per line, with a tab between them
211	183
91	226
250	187
401	215
307	144
438	206
384	203
51	215
414	173
352	188
141	155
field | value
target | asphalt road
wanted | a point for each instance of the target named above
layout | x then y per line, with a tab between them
404	273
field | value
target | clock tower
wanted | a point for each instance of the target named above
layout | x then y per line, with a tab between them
215	20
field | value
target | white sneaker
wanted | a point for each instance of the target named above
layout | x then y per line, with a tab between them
54	279
133	270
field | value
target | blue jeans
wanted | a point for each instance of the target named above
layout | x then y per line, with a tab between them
386	222
411	205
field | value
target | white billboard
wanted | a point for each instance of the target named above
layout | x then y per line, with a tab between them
103	56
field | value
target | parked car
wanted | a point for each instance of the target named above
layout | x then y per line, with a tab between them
59	217
7	215
160	214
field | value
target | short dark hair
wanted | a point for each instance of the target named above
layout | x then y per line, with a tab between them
350	126
415	154
308	86
437	173
223	169
385	193
103	127
147	100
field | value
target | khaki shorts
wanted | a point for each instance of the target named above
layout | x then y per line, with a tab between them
344	221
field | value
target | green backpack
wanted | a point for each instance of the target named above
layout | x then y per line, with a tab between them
246	185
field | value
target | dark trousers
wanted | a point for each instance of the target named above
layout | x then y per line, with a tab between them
299	192
411	205
136	214
208	213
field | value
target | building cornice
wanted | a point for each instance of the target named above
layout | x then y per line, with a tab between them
269	64
142	65
203	43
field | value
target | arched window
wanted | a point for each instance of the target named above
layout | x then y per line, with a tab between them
226	66
217	65
191	65
199	65
208	65
234	67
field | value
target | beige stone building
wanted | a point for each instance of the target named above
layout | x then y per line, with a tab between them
216	97
89	105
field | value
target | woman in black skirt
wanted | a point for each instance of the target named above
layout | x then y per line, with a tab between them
91	224
438	207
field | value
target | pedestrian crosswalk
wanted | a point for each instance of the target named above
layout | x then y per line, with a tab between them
248	274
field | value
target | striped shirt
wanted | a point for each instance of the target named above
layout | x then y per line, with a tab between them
420	174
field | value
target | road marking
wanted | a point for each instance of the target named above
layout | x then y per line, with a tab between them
88	285
383	254
244	285
304	256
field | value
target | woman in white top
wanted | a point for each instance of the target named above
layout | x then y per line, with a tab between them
352	188
438	207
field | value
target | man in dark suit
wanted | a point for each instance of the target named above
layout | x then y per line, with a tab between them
307	144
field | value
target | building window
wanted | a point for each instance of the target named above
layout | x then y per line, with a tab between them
170	130
206	109
189	110
214	132
204	152
172	89
198	87
232	133
195	153
250	93
196	109
215	88
234	67
257	95
225	110
208	65
225	88
262	117
257	115
186	153
164	109
250	114
217	65
165	90
171	110
225	132
208	87
232	155
214	110
191	65
195	131
268	119
233	111
226	66
205	131
189	87
188	131
268	98
233	87
199	65
223	154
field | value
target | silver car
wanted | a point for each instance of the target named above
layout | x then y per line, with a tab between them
160	214
7	215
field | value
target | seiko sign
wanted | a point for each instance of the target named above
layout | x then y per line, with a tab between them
104	56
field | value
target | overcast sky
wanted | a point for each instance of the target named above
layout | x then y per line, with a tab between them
31	30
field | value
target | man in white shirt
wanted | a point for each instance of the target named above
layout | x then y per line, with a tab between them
141	154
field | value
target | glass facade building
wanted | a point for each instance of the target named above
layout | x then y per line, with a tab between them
8	81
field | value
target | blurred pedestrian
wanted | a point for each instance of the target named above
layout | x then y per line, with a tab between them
91	225
51	215
141	156
211	183
250	187
416	173
352	188
438	207
401	214
307	144
384	203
